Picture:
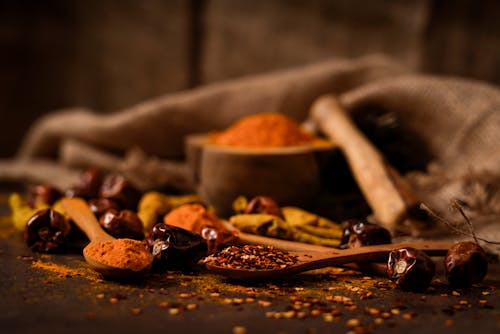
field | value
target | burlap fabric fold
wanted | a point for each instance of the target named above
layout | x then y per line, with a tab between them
458	120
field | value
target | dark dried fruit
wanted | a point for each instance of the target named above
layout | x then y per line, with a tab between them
175	247
264	204
90	182
465	263
410	268
100	205
122	224
46	231
358	233
119	189
43	194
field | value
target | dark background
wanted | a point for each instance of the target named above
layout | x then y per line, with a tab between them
110	54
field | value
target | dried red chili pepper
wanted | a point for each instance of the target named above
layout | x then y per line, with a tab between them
122	224
173	246
43	194
358	233
46	231
118	188
264	204
410	268
465	263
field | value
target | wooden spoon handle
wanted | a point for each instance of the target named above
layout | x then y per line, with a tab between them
80	212
253	239
432	248
376	253
379	183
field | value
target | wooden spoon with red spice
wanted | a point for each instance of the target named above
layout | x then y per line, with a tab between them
113	258
310	260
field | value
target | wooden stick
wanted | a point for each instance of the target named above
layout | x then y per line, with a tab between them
387	193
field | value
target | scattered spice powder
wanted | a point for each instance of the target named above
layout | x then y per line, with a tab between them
65	272
263	130
120	253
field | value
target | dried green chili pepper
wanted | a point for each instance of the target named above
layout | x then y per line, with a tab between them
299	225
262	224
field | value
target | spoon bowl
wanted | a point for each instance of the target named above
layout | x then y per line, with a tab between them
310	260
114	272
83	217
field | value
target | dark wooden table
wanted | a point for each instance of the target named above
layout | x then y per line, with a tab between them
59	294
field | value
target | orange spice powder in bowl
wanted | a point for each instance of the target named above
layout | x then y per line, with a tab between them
263	130
262	154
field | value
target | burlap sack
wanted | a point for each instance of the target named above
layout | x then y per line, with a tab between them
457	120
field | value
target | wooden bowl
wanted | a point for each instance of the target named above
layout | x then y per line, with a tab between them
290	175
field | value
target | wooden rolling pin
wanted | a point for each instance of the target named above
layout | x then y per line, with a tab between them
388	194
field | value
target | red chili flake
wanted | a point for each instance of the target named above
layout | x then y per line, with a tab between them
251	257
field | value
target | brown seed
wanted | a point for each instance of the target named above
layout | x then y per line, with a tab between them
163	304
264	303
174	311
270	314
114	300
327	317
135	311
352	322
238	301
385	315
408	315
239	330
191	306
301	315
372	311
100	296
315	312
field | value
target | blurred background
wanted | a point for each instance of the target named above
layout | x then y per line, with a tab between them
110	54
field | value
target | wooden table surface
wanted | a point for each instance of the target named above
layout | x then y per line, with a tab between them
57	294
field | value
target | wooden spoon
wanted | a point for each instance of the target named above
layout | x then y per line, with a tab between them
309	260
81	214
